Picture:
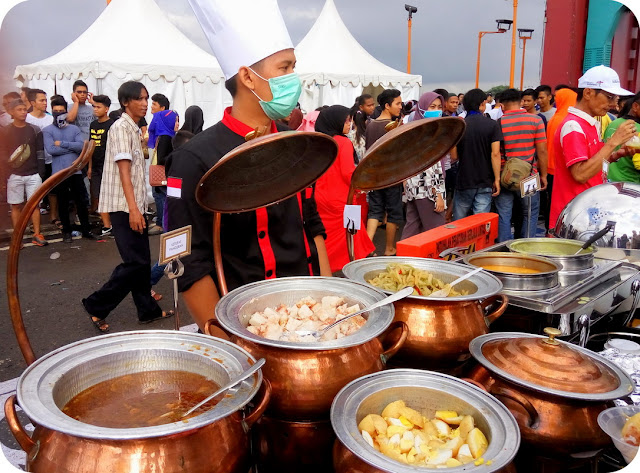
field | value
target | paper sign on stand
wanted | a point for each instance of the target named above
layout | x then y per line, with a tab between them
174	245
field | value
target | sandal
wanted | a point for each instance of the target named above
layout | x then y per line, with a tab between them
157	297
100	324
165	315
58	223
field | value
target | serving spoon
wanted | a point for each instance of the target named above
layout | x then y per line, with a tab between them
447	288
407	291
244	375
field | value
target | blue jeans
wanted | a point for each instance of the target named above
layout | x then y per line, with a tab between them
159	195
505	202
471	201
157	271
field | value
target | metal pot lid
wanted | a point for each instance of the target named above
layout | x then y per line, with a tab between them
51	381
265	171
480	285
406	151
415	387
550	247
235	309
551	366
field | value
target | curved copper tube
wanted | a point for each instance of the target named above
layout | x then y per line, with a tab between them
14	249
217	254
350	244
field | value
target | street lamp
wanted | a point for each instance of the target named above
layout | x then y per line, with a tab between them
503	27
513	43
525	35
411	11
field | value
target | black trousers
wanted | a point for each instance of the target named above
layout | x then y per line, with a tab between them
132	275
72	188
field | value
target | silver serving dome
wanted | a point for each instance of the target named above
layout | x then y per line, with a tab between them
593	209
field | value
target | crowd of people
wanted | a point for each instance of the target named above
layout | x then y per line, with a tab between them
571	138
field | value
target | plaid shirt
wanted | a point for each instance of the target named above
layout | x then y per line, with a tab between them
123	143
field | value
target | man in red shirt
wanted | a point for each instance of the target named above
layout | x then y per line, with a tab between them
581	157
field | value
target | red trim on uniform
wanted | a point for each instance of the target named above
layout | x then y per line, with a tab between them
269	258
308	194
238	127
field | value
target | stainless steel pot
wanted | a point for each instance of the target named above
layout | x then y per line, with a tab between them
214	441
546	278
556	249
426	392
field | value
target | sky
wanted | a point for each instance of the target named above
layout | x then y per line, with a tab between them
444	34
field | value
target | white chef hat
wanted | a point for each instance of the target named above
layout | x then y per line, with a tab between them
242	32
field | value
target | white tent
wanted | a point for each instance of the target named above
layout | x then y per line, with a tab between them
335	68
108	54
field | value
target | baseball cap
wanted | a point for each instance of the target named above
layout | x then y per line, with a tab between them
603	78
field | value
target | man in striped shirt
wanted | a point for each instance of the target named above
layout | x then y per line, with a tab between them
524	138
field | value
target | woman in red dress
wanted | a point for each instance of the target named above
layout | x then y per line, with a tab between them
332	190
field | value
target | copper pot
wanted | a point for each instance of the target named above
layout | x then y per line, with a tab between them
554	390
344	461
293	446
440	330
214	441
304	382
305	377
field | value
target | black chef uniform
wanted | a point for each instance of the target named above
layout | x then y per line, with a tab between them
276	241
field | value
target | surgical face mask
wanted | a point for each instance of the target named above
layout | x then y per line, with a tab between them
432	114
286	91
60	119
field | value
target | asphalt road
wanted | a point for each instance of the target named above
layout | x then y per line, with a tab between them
50	295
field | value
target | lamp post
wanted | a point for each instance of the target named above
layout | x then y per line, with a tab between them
513	43
503	27
525	35
411	11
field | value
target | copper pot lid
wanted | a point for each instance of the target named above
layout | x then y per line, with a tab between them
551	366
265	171
406	151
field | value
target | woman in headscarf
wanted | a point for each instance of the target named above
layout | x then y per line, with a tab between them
193	120
425	194
332	190
564	99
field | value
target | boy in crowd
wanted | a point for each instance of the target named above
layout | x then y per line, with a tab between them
25	167
529	100
99	130
545	101
81	113
64	142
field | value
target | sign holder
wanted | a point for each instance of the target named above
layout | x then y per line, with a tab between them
174	245
528	188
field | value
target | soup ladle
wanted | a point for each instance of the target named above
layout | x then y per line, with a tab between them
256	366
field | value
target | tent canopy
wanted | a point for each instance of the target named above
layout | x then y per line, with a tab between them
99	51
330	54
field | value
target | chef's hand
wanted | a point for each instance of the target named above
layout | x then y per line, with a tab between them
496	188
439	204
137	221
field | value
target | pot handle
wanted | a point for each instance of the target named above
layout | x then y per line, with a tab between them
395	346
262	404
534	418
475	383
21	435
210	325
493	316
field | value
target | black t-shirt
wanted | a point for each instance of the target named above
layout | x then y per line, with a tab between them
474	152
11	137
98	133
375	130
242	258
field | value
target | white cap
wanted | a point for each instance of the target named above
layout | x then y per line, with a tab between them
603	78
242	32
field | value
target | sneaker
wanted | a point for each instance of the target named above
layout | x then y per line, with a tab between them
106	231
66	237
39	240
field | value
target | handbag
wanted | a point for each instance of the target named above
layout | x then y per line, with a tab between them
514	171
157	175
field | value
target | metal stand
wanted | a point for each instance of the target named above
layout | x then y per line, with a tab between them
528	217
174	269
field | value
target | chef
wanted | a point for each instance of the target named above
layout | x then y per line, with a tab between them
251	42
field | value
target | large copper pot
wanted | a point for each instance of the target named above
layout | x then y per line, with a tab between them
440	330
215	441
555	390
282	446
306	377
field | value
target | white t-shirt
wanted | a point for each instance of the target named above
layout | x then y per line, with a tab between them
41	123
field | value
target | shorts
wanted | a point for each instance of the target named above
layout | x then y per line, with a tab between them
19	185
387	200
95	183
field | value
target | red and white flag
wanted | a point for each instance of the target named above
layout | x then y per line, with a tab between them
174	187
